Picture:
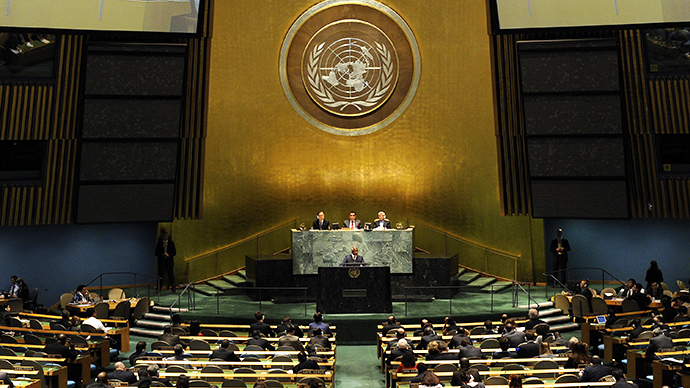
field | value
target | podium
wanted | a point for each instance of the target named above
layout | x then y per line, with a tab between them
354	290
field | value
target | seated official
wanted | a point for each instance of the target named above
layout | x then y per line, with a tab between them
353	259
224	353
93	321
81	295
352	222
320	223
381	222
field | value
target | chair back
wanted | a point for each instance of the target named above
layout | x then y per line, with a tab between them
279	375
200	383
684	333
213	369
116	293
233	383
175	369
35	324
580	306
561	301
208	333
102	309
32	339
664	286
532	380
629	305
273	384
681	285
197	344
513	367
37	367
647	334
254	348
141	308
608	290
6	365
608	379
495	380
481	367
226	333
245	370
490	343
32	303
8	339
16	304
477	330
599	306
445	368
122	310
7	352
15	322
65	299
57	326
155	345
545	364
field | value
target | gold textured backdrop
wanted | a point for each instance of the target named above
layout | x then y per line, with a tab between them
437	163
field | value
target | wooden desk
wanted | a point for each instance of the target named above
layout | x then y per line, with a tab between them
664	373
259	375
81	308
84	360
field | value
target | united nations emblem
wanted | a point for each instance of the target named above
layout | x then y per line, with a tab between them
353	272
350	67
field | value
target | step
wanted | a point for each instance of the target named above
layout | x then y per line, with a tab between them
565	327
482	282
557	320
498	286
158	316
461	271
220	284
539	306
166	310
140	331
147	323
549	312
205	289
242	273
413	298
236	280
467	278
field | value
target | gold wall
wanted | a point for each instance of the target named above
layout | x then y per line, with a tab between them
436	163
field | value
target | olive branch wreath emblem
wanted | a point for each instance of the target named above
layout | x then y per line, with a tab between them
325	95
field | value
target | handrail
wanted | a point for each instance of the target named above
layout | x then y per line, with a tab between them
518	286
555	280
136	290
603	278
236	243
190	299
467	241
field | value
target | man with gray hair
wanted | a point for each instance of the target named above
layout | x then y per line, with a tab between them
402	348
534	320
153	373
121	373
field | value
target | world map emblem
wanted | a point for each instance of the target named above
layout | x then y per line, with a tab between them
350	74
350	67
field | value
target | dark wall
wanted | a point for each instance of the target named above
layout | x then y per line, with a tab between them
624	247
57	258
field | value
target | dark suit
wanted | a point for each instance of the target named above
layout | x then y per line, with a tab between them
385	223
655	294
350	260
595	372
291	340
533	322
455	341
123	375
656	343
62	350
172	339
389	326
395	353
263	327
320	226
166	263
528	350
320	340
282	328
470	351
560	260
224	354
426	339
346	224
261	342
515	337
623	384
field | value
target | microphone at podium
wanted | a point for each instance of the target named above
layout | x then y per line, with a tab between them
354	259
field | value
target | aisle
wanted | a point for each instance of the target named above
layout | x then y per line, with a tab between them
358	367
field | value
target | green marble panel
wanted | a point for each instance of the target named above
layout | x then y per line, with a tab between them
327	248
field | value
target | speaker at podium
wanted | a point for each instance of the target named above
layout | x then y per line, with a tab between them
354	289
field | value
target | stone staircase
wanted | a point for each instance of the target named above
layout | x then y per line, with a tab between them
474	281
557	319
152	323
225	285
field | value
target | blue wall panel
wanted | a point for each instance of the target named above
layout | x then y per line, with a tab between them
57	258
624	247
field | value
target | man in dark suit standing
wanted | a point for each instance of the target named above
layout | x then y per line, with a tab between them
320	223
353	259
352	222
382	222
559	250
165	253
